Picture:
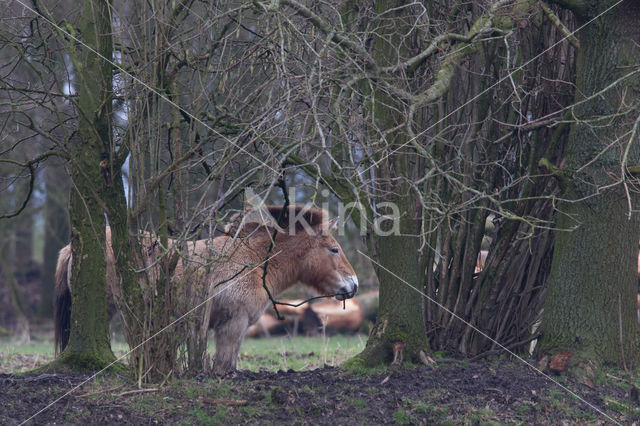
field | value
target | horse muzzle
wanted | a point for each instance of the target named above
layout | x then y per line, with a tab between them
349	287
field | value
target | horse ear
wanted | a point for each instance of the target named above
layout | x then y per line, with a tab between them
332	224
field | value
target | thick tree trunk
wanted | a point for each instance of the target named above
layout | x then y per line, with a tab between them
89	347
400	313
127	256
590	308
400	324
592	282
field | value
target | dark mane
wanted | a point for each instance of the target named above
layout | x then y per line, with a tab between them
252	220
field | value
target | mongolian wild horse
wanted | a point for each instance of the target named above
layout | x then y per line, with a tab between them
296	246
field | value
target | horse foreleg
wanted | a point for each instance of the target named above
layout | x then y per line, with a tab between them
229	336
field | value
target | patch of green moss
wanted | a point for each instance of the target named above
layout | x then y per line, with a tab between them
357	366
353	363
73	362
399	335
441	354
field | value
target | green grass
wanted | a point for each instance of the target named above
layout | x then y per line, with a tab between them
300	353
402	417
277	353
33	348
45	348
21	357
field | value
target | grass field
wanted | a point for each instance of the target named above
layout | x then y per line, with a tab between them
273	354
300	353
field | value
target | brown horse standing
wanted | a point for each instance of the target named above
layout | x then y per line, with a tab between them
302	251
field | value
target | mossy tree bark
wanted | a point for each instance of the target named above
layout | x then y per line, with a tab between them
590	307
89	347
127	254
400	313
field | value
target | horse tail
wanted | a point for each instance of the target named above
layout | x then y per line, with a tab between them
62	303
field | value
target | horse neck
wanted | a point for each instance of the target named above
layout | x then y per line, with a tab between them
284	269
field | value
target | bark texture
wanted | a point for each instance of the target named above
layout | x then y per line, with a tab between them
400	315
590	308
89	347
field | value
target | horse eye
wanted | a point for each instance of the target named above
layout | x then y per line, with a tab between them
334	250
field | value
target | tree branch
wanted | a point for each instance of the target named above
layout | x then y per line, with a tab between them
558	23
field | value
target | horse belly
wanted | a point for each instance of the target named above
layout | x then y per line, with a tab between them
220	316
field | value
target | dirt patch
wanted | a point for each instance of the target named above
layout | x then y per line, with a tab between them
451	392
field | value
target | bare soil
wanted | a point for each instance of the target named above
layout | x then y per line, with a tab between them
451	392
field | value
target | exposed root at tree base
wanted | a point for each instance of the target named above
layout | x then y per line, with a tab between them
581	367
384	354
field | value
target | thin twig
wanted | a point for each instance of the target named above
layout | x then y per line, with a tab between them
136	391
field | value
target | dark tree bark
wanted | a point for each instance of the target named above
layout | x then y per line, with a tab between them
400	314
590	308
504	300
89	347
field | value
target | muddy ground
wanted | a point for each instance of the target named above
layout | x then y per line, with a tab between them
452	392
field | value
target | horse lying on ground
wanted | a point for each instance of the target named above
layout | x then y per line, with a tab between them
232	267
328	316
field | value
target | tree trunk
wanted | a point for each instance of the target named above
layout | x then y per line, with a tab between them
590	308
89	348
400	314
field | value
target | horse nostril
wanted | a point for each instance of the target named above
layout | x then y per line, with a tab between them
348	288
354	282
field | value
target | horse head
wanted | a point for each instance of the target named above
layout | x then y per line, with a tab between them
325	266
313	255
